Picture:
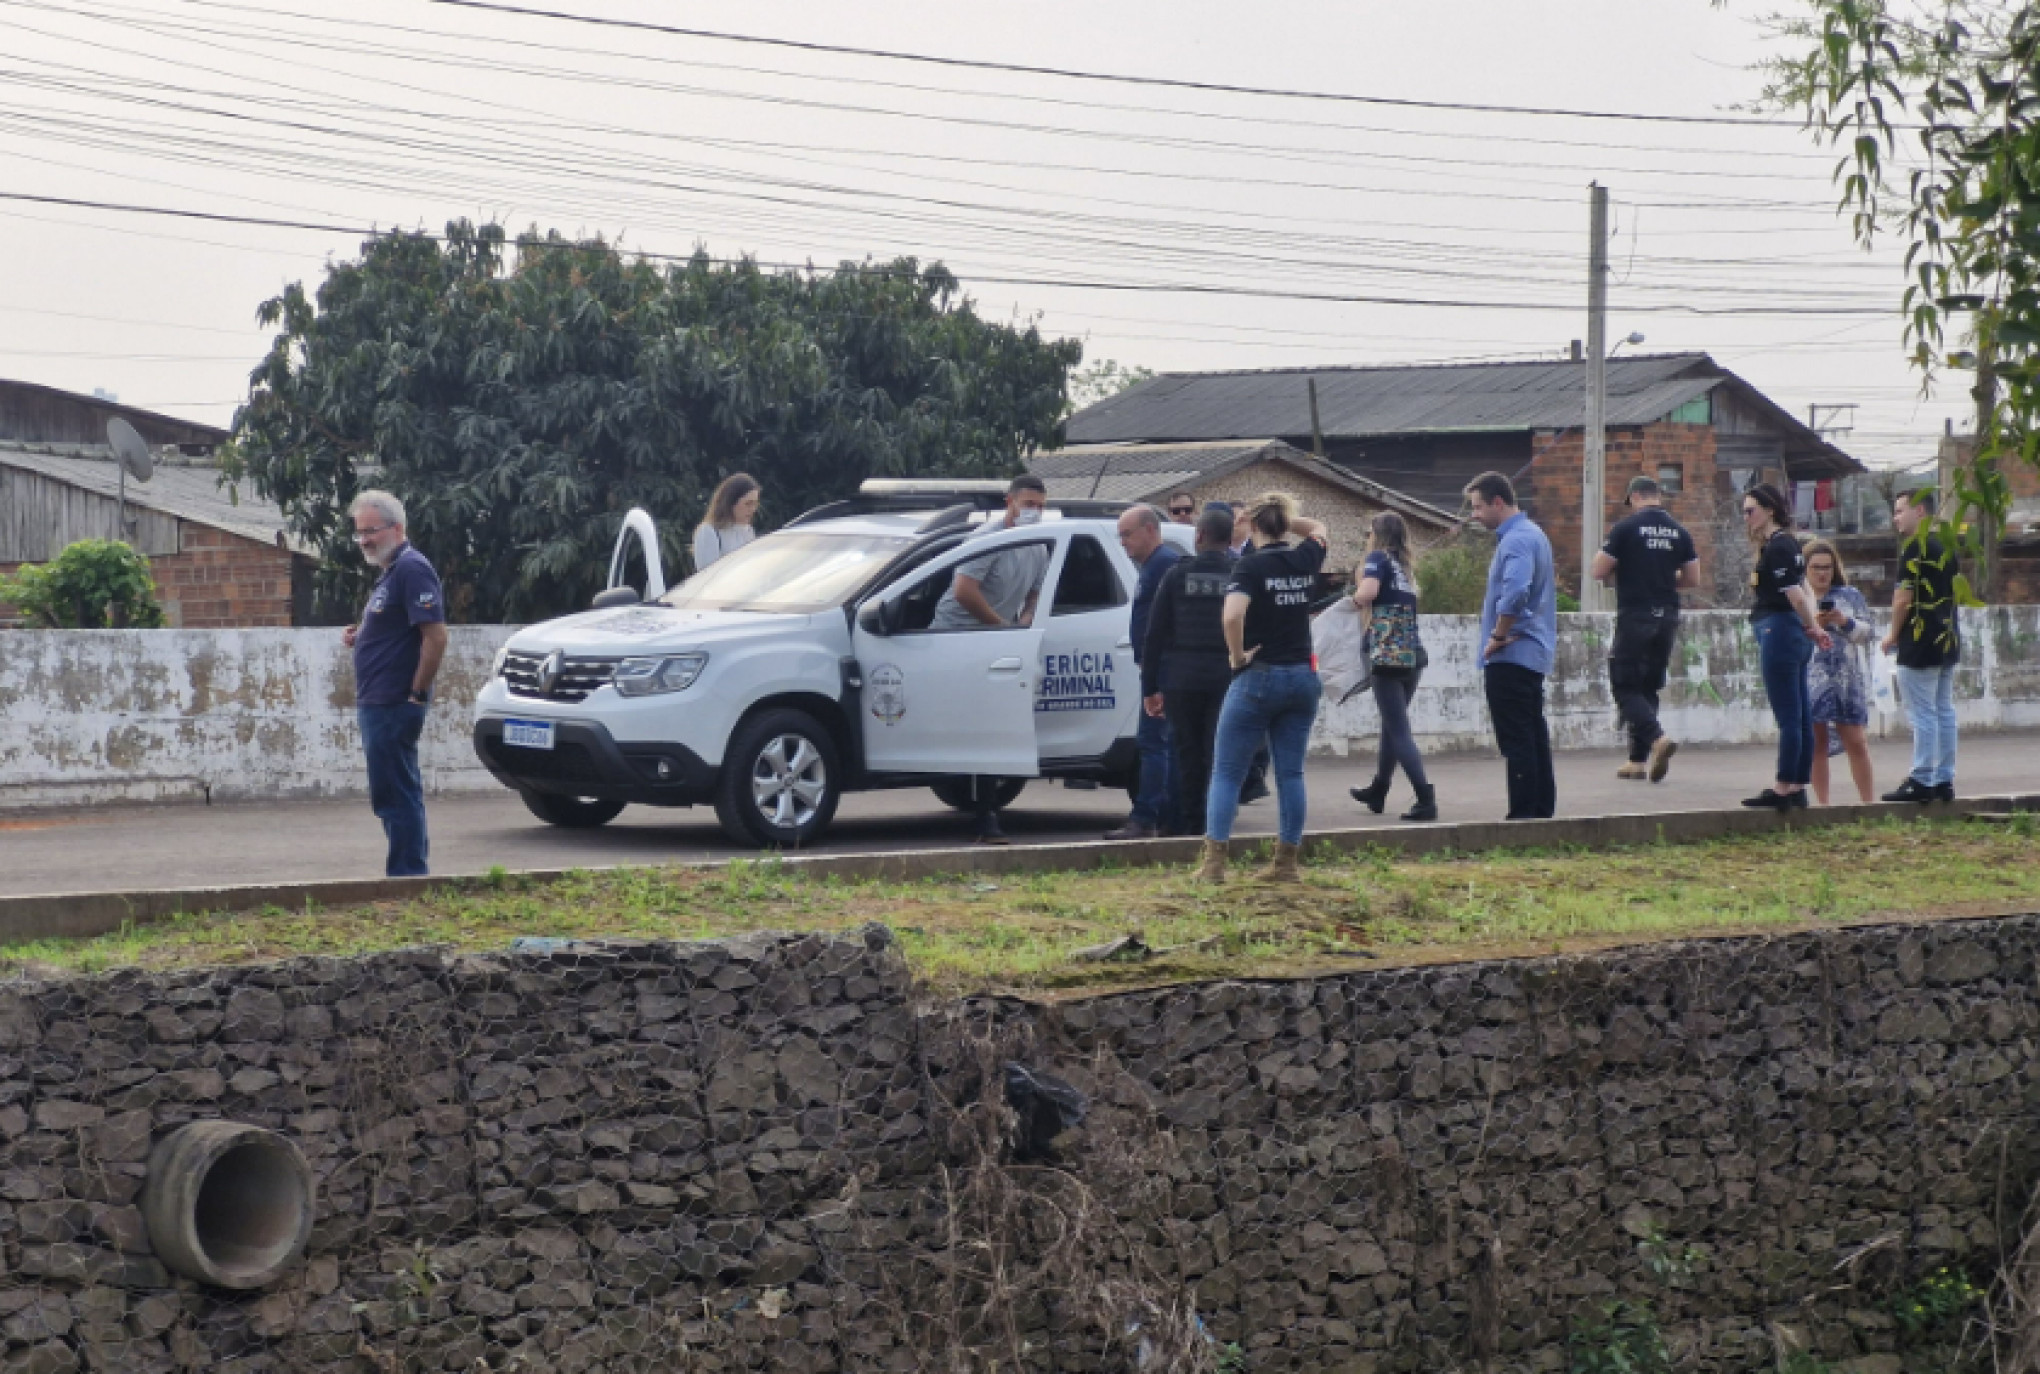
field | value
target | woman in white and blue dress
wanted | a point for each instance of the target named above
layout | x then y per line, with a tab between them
1835	677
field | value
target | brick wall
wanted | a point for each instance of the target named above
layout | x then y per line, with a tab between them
222	581
1552	490
217	581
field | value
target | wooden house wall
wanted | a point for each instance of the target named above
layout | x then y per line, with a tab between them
40	516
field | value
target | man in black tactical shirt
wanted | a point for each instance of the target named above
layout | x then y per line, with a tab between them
1648	557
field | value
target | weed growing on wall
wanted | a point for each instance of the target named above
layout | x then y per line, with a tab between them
1625	1336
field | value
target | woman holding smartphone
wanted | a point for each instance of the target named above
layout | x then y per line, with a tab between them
1836	684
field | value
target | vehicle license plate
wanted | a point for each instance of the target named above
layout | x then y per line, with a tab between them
528	734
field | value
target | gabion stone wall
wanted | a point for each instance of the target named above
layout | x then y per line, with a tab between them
760	1154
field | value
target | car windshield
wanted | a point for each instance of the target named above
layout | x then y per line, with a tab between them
792	571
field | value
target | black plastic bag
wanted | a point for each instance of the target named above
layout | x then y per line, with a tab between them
1046	1106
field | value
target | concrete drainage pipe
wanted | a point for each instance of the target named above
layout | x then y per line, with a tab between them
227	1204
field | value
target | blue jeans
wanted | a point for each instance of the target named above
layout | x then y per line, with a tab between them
1783	651
1930	710
1281	703
396	790
1154	798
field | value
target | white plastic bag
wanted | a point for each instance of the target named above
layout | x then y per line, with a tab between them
1337	638
1883	683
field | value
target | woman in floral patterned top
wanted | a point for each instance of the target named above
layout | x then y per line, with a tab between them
1835	679
1388	592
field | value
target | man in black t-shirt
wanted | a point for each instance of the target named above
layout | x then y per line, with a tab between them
1648	557
1926	636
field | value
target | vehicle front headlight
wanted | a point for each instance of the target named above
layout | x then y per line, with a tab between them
648	677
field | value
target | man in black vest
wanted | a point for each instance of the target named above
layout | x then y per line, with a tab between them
1649	557
1184	671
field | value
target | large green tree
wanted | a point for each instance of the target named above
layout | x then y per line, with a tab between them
1937	111
520	396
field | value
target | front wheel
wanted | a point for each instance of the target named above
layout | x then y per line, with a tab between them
781	780
571	813
956	792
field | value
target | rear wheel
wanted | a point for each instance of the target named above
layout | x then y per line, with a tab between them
571	813
781	780
956	792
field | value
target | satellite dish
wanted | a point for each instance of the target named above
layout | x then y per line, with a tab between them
133	455
129	447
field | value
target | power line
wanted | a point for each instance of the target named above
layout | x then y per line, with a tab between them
1117	78
1184	288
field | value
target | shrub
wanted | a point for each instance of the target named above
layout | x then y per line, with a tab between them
94	584
1452	575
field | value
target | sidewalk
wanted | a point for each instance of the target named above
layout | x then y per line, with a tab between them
189	845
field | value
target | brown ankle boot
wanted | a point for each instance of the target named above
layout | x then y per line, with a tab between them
1282	868
1211	865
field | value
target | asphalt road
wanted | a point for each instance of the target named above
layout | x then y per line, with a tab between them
191	845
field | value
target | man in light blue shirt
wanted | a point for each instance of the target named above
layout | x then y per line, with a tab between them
1519	637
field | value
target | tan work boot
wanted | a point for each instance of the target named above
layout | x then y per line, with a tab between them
1282	868
1211	865
1661	756
1633	772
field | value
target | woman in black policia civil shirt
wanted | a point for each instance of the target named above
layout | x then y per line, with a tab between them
1787	627
1275	689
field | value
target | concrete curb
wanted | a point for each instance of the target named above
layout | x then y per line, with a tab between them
80	915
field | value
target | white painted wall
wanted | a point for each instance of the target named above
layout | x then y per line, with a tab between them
159	715
1715	695
91	716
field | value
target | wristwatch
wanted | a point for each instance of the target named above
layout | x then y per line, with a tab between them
421	698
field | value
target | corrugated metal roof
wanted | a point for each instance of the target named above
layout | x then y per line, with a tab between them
188	492
1150	472
1377	401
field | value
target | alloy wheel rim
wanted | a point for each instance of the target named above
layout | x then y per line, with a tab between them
789	781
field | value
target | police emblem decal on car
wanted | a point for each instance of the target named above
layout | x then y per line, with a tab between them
888	694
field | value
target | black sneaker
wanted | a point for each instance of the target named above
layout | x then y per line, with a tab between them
990	831
1944	791
1913	790
1255	790
1768	799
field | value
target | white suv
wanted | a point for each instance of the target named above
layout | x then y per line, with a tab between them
804	665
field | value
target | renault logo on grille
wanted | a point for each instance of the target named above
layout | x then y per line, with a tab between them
549	672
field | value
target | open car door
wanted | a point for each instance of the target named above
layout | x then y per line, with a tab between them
638	527
947	698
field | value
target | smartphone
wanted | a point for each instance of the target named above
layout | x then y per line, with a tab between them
1827	603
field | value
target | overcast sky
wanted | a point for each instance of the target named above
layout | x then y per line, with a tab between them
410	113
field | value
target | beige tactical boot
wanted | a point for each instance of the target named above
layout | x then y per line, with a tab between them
1282	868
1211	865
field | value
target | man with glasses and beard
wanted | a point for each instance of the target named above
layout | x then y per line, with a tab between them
397	646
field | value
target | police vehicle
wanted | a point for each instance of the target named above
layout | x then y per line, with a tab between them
805	665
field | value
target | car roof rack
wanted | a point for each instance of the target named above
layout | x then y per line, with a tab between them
949	501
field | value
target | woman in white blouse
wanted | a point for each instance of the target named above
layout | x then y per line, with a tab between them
727	526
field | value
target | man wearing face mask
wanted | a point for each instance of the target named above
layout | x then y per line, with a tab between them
397	648
999	590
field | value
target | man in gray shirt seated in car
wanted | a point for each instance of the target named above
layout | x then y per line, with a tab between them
1000	588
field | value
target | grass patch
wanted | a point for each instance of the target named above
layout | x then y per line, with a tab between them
972	932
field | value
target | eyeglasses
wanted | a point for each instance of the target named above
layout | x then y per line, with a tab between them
1181	510
363	536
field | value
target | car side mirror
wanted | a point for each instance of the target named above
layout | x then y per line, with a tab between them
615	596
877	618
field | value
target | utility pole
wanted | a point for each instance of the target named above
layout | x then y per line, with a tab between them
1594	476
